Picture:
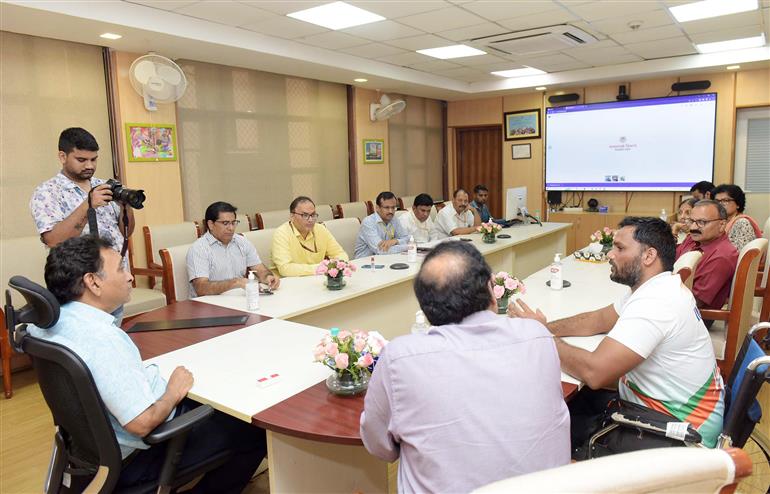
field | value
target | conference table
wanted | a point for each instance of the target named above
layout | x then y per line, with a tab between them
313	437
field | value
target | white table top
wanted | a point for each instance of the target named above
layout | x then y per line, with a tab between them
302	294
226	368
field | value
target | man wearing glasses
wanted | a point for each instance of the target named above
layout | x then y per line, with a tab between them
300	244
379	234
714	273
220	260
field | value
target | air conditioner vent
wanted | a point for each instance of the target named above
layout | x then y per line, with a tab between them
535	41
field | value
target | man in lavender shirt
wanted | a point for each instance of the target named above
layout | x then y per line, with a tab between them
476	399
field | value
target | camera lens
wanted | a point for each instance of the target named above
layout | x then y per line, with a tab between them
132	197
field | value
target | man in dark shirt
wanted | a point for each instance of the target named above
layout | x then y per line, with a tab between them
479	203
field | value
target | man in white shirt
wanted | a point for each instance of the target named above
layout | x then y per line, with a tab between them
657	350
457	219
418	222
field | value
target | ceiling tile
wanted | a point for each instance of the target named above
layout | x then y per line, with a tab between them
442	20
434	66
383	31
479	60
727	34
285	27
605	43
553	63
662	48
543	19
656	33
163	4
495	10
404	59
463	73
333	40
373	50
471	32
420	42
605	56
393	9
607	9
284	7
230	13
724	22
650	19
507	65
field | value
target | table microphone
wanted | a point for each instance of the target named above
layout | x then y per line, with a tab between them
524	212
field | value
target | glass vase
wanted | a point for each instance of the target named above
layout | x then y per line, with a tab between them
502	305
346	384
489	238
335	283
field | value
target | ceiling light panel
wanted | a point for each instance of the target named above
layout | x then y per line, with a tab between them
733	44
453	51
337	15
110	36
526	71
711	8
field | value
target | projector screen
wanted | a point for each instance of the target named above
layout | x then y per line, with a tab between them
654	144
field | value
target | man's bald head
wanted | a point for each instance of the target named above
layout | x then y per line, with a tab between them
453	283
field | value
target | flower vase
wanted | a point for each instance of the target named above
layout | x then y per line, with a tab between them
335	283
502	305
489	238
346	384
606	248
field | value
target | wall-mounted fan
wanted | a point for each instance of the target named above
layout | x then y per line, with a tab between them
385	108
157	79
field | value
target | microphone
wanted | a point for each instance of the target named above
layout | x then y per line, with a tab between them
525	213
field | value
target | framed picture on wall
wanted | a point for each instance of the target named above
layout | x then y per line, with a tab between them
374	151
522	124
151	142
521	151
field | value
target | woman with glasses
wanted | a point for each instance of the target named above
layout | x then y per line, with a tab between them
741	228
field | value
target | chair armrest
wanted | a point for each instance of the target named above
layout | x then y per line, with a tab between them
179	425
653	422
714	314
759	291
147	272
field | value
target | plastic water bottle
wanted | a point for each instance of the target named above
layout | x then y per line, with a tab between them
411	250
420	324
557	282
372	265
252	293
663	215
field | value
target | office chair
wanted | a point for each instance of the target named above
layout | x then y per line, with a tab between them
86	455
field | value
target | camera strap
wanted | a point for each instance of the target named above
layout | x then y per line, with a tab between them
93	227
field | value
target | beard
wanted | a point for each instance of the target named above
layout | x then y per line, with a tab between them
629	274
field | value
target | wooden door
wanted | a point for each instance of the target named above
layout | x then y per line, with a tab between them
479	161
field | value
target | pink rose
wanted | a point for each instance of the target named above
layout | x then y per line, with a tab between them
321	269
331	349
319	354
522	288
344	335
365	360
510	284
333	272
607	230
499	291
359	344
341	361
347	272
502	275
325	262
352	267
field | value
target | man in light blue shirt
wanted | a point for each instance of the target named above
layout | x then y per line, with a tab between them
379	234
89	280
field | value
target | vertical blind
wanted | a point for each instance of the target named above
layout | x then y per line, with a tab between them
417	148
758	155
257	139
45	86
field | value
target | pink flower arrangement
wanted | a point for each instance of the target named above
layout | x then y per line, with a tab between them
354	352
489	228
504	285
334	268
603	236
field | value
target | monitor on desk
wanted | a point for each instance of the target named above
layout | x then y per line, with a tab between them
515	202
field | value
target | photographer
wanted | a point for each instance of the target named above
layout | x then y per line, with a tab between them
59	206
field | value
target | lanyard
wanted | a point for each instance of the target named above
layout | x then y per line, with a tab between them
390	231
315	246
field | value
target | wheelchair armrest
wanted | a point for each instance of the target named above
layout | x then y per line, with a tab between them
653	422
179	425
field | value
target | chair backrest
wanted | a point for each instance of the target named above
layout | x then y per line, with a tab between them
262	240
157	237
23	256
433	212
685	266
245	223
406	202
176	283
399	213
358	210
325	212
648	471
345	231
272	219
742	298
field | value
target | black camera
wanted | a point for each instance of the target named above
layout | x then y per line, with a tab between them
134	198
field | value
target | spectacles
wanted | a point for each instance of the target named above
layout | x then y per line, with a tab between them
306	216
725	201
700	223
226	223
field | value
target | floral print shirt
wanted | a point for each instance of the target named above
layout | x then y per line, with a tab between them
741	233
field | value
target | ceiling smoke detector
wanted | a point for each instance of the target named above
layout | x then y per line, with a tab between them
635	25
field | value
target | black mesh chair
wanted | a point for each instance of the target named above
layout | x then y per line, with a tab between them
86	454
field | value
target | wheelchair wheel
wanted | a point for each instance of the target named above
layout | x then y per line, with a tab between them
758	449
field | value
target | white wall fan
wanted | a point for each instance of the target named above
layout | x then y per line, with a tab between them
385	108
157	79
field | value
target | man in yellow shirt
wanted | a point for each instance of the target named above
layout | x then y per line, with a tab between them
299	245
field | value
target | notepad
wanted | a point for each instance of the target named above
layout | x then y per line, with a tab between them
201	322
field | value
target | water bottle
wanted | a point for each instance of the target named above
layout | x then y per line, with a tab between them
372	265
663	215
420	324
411	250
557	282
252	293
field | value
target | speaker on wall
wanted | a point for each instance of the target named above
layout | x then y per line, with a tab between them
690	86
554	197
563	98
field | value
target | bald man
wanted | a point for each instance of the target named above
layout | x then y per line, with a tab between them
474	393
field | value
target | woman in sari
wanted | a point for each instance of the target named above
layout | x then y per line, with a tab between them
741	228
